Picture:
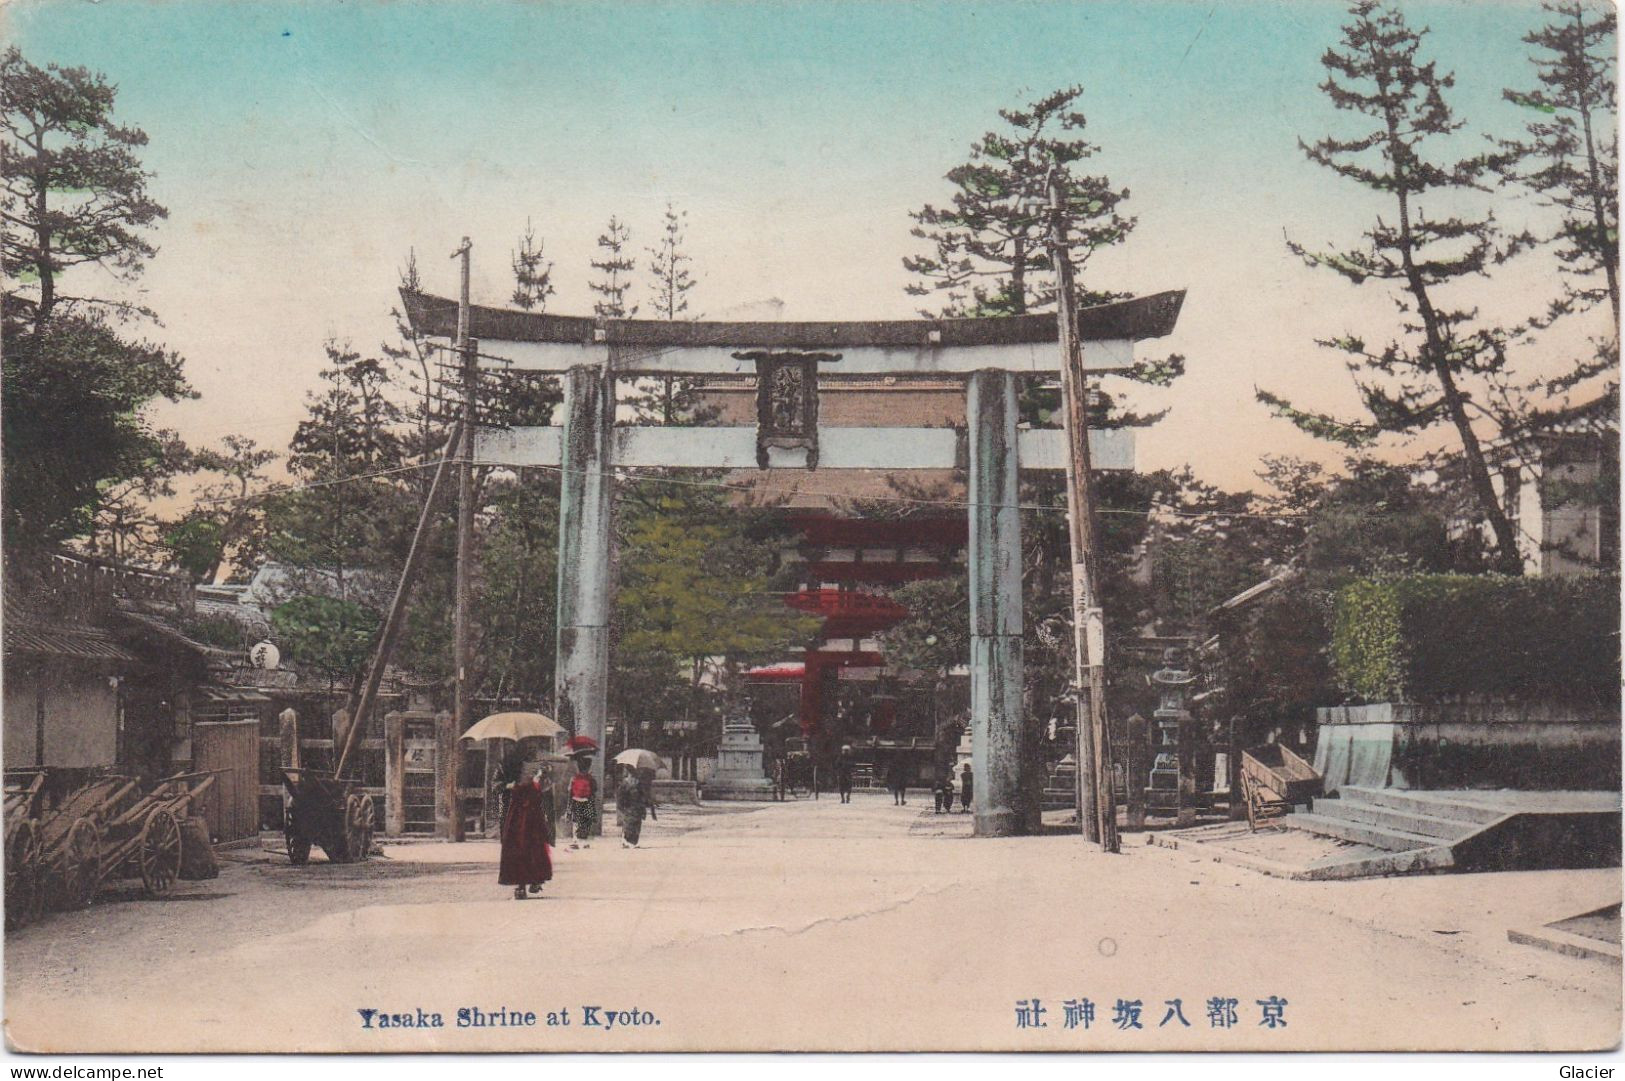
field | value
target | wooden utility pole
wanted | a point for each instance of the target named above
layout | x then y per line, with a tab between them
361	702
1097	803
461	630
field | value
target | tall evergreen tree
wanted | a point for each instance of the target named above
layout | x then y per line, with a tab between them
988	247
1570	159
532	272
227	522
1414	382
614	264
669	262
348	513
73	194
74	191
669	399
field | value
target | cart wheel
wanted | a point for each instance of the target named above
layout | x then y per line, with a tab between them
25	891
160	852
357	831
298	845
365	813
81	871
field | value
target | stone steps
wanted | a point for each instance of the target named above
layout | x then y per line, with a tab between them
1442	830
1426	803
1369	832
1364	833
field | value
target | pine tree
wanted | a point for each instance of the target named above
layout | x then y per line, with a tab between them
532	273
670	399
75	386
989	253
1414	382
1570	160
614	265
74	191
226	523
669	272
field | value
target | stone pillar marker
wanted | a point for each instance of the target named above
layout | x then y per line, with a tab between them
1136	756
288	738
394	774
341	732
581	679
995	606
445	776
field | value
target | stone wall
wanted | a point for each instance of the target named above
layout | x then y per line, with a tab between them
1526	746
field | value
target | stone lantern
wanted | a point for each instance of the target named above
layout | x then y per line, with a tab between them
1173	774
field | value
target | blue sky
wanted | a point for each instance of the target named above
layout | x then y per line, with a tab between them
304	148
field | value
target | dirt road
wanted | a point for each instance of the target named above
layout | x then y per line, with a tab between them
812	925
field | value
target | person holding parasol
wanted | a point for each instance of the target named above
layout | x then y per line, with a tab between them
527	829
526	807
583	790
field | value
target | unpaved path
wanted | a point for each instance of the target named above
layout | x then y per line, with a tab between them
812	925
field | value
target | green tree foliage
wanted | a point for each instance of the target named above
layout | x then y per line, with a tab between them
1569	162
74	384
696	597
1570	157
124	529
1425	637
344	513
1373	518
614	264
935	635
411	362
325	634
1412	383
1316	532
75	192
532	272
517	600
988	252
670	275
226	523
990	257
670	400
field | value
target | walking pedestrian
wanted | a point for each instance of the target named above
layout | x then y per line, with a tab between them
897	781
965	779
646	784
527	831
945	792
583	801
843	774
629	807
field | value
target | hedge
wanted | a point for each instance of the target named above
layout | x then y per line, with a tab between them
1421	638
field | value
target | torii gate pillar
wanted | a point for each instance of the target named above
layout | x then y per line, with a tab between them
995	606
581	673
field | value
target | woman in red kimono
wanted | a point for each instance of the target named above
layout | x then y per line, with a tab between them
527	830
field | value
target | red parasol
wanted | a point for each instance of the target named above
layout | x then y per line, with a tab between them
581	745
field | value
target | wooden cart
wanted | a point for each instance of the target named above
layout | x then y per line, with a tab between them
329	812
1273	779
25	864
109	829
141	834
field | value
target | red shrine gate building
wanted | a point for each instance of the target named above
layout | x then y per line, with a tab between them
848	563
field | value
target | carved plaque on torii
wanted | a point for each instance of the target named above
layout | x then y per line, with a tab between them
786	402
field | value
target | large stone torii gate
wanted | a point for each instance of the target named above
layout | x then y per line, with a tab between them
789	361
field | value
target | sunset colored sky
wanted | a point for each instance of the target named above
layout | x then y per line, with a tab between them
304	148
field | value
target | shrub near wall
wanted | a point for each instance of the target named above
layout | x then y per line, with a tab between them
1423	638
